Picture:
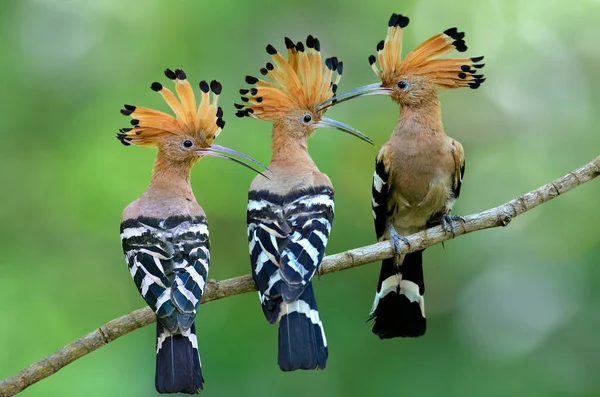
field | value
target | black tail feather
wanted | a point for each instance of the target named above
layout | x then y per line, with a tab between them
302	342
399	308
178	367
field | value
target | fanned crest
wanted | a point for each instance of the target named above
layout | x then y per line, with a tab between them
203	122
423	60
298	82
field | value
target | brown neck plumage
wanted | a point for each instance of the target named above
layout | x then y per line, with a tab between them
171	178
289	148
425	116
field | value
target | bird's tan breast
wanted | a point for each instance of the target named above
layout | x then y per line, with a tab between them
421	179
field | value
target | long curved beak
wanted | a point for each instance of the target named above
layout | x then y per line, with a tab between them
336	125
228	154
371	89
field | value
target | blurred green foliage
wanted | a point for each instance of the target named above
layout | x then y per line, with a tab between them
512	312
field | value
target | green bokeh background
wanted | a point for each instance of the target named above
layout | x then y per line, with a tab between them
511	312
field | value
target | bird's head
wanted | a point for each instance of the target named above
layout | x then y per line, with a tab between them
188	136
297	87
418	76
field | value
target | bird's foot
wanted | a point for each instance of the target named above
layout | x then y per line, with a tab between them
397	239
449	223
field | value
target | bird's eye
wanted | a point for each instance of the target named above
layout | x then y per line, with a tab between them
403	85
187	143
307	118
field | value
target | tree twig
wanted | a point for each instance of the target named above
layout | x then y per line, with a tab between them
494	217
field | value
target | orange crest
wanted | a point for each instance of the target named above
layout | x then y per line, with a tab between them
204	122
445	73
297	83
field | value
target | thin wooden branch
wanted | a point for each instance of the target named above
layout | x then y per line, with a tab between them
495	217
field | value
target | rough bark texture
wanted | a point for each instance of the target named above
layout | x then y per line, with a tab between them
494	217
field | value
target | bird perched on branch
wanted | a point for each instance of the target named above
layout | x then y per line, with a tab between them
164	233
290	214
419	171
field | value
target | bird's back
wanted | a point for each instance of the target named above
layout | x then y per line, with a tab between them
166	243
289	221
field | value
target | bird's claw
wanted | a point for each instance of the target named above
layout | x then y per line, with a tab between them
396	239
449	223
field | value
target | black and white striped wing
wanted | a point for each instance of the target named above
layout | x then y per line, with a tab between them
267	231
168	260
380	192
287	236
459	163
310	213
458	181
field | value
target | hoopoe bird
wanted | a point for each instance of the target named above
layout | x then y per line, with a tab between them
291	213
164	233
419	171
